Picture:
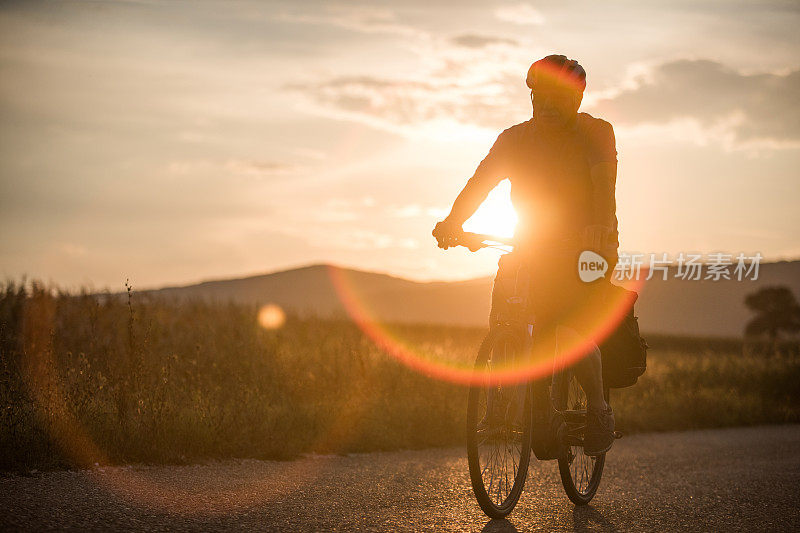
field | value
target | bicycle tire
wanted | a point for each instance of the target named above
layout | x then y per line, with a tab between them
580	473
493	500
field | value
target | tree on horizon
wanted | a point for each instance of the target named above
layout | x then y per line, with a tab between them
777	311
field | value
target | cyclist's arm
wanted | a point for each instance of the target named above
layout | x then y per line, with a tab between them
602	232
604	204
489	173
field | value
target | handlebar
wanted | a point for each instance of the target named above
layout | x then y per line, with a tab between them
476	241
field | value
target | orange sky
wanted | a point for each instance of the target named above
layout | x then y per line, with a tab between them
173	142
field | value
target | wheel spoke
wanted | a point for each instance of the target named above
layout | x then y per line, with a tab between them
578	470
497	443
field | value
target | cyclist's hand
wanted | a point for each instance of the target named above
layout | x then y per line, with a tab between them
446	233
595	237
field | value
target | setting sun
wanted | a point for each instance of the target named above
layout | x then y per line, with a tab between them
496	215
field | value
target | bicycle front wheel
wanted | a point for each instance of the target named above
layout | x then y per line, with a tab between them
498	427
580	473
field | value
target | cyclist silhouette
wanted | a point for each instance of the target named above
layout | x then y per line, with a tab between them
562	166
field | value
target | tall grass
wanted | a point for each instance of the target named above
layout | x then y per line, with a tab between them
87	379
704	388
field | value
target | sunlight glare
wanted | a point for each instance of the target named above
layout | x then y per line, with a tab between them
271	316
496	215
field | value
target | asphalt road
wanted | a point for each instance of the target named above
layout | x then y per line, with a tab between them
740	479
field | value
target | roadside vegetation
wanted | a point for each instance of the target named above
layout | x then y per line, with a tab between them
87	379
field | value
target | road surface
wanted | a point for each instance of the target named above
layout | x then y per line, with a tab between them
740	479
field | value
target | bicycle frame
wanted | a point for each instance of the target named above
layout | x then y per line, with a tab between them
545	445
552	408
517	318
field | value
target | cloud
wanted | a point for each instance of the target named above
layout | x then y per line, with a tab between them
750	108
471	40
351	203
522	14
708	101
261	168
363	19
395	104
466	79
409	106
240	167
416	211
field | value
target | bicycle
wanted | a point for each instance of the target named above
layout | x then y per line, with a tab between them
507	421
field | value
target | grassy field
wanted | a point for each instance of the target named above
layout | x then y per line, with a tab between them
87	380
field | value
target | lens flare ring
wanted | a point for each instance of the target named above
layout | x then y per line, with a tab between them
463	373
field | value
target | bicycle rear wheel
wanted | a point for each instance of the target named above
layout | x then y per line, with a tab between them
498	428
580	473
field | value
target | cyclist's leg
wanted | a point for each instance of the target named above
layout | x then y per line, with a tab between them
546	297
599	435
588	370
561	376
545	349
575	309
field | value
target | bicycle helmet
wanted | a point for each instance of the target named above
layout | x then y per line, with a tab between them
557	71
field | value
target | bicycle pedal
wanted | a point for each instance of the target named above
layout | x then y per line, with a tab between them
618	434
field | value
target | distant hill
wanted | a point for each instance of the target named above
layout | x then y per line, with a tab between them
703	308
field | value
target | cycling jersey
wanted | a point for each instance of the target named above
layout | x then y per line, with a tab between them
549	171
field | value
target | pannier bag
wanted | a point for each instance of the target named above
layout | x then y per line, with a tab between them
624	351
